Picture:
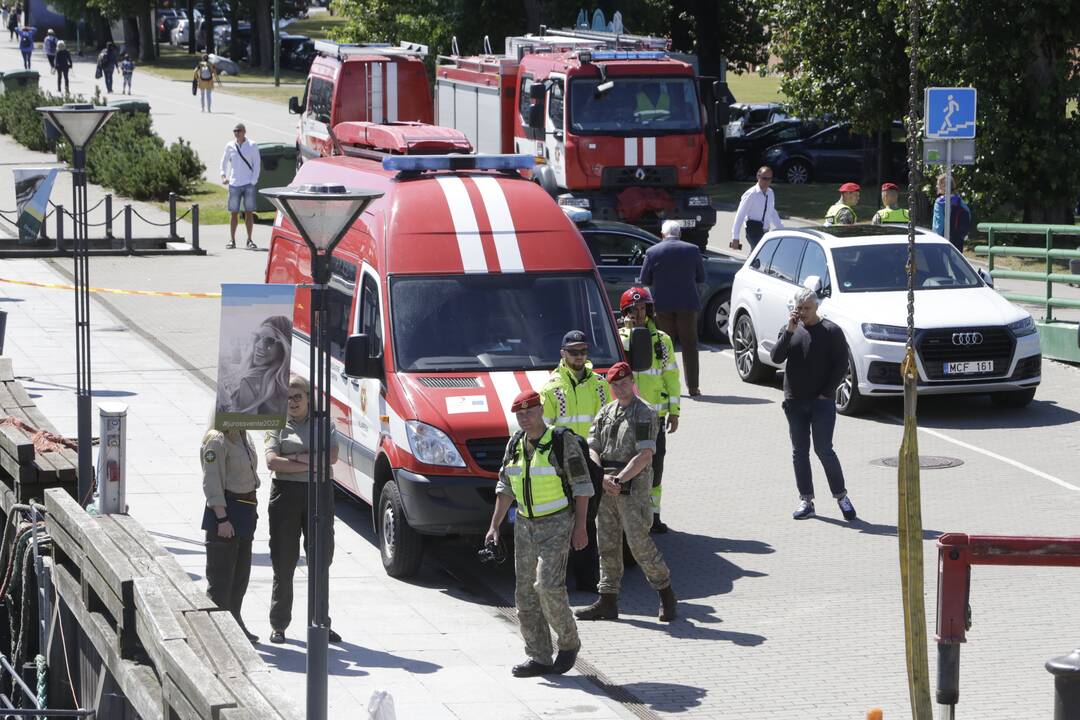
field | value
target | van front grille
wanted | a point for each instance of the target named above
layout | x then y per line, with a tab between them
449	382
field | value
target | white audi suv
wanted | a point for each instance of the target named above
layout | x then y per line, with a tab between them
968	339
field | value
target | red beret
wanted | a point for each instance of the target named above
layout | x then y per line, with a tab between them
618	371
889	186
525	399
850	187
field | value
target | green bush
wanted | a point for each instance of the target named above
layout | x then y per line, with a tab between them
125	156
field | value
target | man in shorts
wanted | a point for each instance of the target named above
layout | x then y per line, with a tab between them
240	167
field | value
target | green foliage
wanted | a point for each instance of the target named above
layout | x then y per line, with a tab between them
20	118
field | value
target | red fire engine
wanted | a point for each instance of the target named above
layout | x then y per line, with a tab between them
614	121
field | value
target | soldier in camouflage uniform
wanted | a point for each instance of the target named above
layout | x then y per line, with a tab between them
540	476
623	440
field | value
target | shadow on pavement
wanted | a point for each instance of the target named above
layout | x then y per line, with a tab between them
345	659
667	697
873	529
957	412
693	624
731	400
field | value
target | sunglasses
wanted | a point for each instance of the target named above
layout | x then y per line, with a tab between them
576	352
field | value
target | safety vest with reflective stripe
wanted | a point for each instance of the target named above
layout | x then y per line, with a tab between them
573	403
890	215
658	386
537	487
834	217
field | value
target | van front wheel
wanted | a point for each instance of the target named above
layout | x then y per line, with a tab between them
401	547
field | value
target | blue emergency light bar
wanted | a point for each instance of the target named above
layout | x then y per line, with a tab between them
628	55
422	163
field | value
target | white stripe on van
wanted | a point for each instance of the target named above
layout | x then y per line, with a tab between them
629	151
537	378
391	92
507	388
375	92
502	224
464	217
648	151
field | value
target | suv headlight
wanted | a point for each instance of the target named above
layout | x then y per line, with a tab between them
431	445
698	201
888	333
1022	327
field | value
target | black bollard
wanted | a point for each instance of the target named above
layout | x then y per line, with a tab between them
172	216
3	329
195	227
1066	672
108	216
948	673
127	228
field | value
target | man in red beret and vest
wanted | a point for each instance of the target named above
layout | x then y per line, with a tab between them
623	441
890	211
843	211
544	470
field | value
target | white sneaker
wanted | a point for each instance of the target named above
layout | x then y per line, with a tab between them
804	511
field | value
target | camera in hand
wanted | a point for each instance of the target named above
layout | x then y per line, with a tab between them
492	552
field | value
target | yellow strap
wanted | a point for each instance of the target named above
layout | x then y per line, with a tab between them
114	291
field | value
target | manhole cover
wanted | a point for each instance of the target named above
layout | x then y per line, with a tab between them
926	462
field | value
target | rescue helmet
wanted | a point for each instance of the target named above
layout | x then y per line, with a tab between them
633	296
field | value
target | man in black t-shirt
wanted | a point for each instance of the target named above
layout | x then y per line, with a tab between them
817	357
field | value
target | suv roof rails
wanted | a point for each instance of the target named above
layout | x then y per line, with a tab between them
342	51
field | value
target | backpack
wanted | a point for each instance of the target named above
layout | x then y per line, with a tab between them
205	73
596	473
959	220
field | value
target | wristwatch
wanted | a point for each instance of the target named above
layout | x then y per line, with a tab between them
221	520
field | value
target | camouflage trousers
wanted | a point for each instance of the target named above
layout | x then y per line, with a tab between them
631	514
541	547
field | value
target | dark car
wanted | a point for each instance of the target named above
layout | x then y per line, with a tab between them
835	154
744	152
618	250
297	52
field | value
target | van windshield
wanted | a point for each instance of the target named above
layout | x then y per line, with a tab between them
504	321
653	105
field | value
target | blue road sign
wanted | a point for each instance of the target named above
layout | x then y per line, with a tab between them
950	113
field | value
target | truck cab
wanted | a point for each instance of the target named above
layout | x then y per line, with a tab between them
463	277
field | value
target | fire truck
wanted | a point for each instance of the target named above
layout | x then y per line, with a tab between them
614	121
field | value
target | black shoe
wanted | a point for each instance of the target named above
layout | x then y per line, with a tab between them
231	245
277	637
847	508
658	527
252	637
564	661
530	668
804	511
334	637
251	244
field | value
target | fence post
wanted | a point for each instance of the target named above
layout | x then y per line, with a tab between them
195	227
108	216
990	253
59	227
1066	672
127	227
172	216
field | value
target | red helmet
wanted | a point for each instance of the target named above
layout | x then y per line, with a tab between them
633	296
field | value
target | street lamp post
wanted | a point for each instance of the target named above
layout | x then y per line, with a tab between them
78	123
321	214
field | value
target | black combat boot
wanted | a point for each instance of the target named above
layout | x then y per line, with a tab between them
563	662
658	526
667	604
606	608
530	668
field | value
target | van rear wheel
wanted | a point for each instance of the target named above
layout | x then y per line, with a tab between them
401	547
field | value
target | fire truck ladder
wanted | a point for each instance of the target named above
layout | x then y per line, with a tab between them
612	41
344	50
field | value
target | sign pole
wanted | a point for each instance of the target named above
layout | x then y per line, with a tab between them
948	188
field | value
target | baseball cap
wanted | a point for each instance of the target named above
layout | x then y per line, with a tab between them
850	187
618	371
889	186
525	399
574	337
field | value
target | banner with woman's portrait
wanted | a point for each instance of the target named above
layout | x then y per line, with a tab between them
254	351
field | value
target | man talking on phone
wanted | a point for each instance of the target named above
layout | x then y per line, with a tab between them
817	359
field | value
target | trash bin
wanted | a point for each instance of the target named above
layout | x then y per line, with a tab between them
20	80
278	169
130	106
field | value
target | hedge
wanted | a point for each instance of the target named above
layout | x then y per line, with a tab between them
125	156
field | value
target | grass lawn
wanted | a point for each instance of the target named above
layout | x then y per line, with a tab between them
212	198
752	88
317	26
808	201
176	64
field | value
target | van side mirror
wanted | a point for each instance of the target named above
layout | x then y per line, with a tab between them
641	349
358	360
294	105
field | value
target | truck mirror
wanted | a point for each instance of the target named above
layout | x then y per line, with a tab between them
358	360
605	87
294	105
641	349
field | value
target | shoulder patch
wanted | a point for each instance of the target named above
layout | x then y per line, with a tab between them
643	430
577	466
209	457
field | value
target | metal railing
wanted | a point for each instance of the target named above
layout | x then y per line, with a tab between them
1048	254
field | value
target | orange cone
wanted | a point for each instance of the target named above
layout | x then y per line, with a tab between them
874	714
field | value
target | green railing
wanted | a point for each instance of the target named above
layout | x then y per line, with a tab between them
1048	254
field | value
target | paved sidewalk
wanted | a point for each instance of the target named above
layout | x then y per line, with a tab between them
439	652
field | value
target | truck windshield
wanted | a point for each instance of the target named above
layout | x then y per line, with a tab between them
882	268
504	322
638	105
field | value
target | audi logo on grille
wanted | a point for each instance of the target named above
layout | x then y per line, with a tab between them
967	338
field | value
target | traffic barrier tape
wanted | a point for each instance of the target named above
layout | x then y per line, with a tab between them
115	291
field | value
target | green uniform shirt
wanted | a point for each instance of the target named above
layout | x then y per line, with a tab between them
620	433
292	440
229	464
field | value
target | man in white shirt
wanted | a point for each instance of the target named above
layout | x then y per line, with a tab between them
240	165
757	208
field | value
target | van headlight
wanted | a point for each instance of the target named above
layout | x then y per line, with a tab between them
1022	327
431	445
888	333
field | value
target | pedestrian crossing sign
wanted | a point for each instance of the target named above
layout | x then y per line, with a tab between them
949	113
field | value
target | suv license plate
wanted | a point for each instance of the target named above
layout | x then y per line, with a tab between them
970	367
686	222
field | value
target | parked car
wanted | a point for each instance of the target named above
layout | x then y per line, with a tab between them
167	18
619	249
223	39
744	153
968	338
297	52
179	33
835	154
744	118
